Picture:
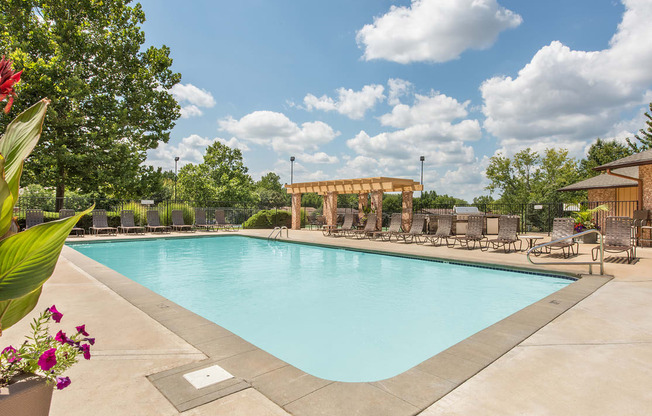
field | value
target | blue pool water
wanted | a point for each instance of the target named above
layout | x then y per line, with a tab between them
336	314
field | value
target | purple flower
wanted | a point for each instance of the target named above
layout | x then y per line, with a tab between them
56	315
86	349
82	330
48	359
11	354
90	340
62	382
61	337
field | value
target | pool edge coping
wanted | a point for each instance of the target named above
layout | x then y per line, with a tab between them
296	391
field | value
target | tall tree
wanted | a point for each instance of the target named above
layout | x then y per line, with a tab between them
644	136
270	191
110	99
513	177
601	152
222	177
555	171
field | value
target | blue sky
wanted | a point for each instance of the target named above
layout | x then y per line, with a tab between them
363	88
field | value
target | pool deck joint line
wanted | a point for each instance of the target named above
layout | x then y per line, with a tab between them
303	394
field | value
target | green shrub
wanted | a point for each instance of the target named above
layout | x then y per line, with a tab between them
269	219
140	215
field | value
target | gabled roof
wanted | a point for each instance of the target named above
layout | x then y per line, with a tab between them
605	180
642	158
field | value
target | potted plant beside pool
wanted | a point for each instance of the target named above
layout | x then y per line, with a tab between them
584	221
28	372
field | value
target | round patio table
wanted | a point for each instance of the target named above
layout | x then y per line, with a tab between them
531	239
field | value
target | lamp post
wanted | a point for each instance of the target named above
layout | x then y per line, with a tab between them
292	158
422	159
176	160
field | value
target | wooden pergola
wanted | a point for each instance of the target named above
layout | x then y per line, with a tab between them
363	187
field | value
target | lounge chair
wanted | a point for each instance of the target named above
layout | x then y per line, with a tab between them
507	234
33	217
100	223
393	230
154	223
444	230
177	221
617	238
641	222
347	226
563	227
200	220
220	221
66	213
416	230
369	228
474	232
128	224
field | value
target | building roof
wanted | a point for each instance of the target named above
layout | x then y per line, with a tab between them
642	158
355	186
605	180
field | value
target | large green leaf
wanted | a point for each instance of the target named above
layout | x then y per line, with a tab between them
27	259
6	202
18	141
12	311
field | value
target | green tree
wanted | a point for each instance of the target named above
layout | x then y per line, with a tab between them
110	99
555	171
312	200
483	200
601	152
270	190
513	177
222	177
644	136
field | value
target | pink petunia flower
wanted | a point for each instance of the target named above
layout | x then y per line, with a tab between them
11	354
56	315
81	329
62	382
86	349
61	337
48	359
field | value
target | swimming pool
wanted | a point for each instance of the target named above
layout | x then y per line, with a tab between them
336	314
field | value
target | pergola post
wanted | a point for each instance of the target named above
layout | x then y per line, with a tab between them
296	211
330	208
406	214
377	204
363	202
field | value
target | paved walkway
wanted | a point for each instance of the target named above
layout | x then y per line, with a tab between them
594	359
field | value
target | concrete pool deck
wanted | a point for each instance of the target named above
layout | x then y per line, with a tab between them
595	358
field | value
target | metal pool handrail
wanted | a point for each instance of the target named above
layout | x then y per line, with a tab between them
278	232
589	263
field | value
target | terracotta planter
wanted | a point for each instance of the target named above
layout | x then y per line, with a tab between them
29	395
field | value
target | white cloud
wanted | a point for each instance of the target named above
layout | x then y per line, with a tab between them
397	88
353	104
566	97
191	98
435	30
466	181
318	157
191	149
426	109
275	130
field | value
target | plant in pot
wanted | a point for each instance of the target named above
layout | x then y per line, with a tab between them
27	260
584	220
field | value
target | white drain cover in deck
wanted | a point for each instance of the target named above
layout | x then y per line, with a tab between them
207	376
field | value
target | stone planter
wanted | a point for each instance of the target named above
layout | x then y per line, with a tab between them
29	395
590	238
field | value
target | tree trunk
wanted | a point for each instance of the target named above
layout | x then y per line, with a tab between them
61	191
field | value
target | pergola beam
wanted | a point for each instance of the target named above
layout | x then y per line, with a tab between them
355	186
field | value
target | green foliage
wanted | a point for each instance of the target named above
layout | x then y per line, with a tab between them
644	136
430	199
269	219
584	218
109	92
529	177
392	203
347	200
140	211
27	259
271	192
221	177
602	152
483	200
312	200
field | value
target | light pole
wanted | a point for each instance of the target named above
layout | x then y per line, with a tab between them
422	159
176	160
292	158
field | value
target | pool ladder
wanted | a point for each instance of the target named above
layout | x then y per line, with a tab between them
278	232
589	263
